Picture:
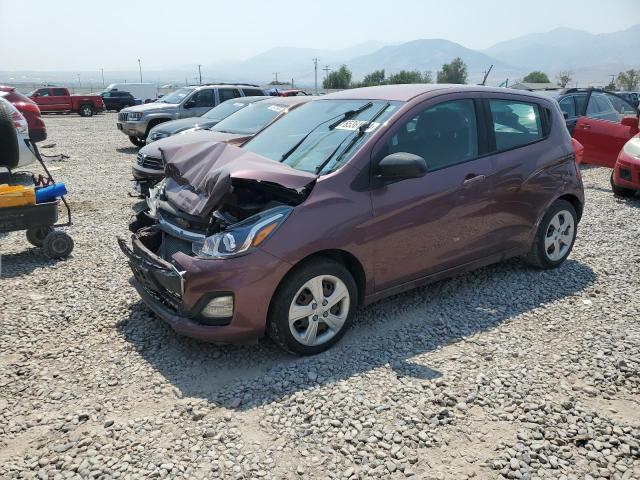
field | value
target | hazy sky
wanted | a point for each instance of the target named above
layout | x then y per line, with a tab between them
113	34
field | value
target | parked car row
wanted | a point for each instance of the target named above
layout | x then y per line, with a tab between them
58	99
345	199
136	122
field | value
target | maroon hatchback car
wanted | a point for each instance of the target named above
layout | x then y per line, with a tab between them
348	199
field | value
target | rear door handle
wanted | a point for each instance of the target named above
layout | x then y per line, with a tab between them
471	179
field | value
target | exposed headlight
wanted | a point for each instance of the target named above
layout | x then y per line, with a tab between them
158	135
134	116
632	147
244	236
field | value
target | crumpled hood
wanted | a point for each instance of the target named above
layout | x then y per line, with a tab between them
153	149
199	175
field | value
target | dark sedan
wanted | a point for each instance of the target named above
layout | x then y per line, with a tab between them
208	120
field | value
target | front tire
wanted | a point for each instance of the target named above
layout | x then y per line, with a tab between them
555	236
86	111
137	141
36	236
619	191
313	307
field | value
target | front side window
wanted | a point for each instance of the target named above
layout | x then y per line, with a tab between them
515	123
445	134
228	93
322	135
43	92
176	97
203	98
568	107
599	107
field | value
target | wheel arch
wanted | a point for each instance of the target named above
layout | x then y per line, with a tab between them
574	201
156	121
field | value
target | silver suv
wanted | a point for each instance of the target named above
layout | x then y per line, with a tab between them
137	121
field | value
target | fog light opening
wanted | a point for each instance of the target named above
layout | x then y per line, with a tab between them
219	307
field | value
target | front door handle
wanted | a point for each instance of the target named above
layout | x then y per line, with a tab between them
586	126
471	179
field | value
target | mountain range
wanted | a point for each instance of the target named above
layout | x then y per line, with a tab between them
592	58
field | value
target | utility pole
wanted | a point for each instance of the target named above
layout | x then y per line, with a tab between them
140	67
315	64
102	73
326	71
276	74
200	73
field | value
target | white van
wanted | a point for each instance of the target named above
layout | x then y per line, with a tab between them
146	92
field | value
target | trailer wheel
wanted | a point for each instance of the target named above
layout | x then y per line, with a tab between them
57	245
36	236
86	111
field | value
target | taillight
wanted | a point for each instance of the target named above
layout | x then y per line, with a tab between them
19	122
29	107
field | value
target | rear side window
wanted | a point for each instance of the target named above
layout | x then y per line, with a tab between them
253	92
228	94
59	92
515	123
445	134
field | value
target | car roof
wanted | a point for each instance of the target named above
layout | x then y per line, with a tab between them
406	92
226	85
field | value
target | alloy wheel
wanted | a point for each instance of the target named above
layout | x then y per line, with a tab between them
559	235
319	310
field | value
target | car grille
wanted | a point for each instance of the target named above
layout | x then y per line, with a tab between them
149	162
122	116
172	245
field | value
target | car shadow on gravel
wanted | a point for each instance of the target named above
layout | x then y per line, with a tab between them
19	264
133	150
391	334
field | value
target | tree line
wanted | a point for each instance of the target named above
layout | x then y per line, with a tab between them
456	72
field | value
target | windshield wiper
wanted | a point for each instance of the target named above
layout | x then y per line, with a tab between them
361	131
341	118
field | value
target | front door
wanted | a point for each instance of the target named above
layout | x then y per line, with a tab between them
199	103
430	224
600	131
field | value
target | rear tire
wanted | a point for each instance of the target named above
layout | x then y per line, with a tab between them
555	236
57	245
85	110
619	191
325	290
36	236
137	141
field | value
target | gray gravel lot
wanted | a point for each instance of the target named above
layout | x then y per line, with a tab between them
506	372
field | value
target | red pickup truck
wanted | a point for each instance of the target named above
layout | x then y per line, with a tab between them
58	99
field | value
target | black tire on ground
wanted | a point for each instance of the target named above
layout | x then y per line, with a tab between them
57	245
619	191
9	152
137	141
36	236
278	321
85	110
538	256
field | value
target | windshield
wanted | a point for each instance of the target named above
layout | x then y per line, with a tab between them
331	138
224	110
250	120
176	97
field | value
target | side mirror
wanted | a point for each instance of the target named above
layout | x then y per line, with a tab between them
401	166
189	103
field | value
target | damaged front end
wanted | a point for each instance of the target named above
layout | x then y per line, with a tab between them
209	214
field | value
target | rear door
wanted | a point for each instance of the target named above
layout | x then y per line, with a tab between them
600	131
227	94
60	99
441	220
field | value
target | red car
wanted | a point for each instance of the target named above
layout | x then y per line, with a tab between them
294	92
58	99
625	178
30	110
601	121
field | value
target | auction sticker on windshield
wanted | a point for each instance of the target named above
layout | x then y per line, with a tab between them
353	125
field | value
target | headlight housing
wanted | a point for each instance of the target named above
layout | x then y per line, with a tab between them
158	135
242	237
632	147
134	116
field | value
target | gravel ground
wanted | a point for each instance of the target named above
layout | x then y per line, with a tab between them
507	372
